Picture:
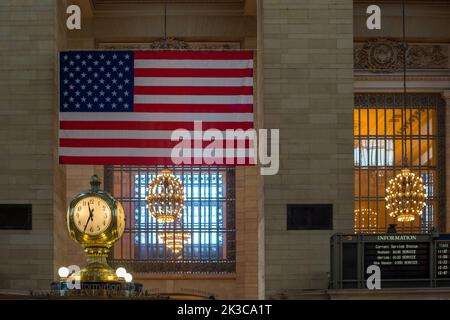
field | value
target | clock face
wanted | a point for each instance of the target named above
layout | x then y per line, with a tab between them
120	219
92	215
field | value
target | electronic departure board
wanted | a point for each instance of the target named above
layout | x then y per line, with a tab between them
398	260
442	261
405	260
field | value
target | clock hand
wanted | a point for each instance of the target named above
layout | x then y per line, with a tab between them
85	226
91	217
91	213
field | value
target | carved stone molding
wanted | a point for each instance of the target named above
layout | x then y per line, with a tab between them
170	44
385	55
381	77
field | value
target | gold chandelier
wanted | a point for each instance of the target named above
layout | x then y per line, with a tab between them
365	220
165	197
405	196
175	240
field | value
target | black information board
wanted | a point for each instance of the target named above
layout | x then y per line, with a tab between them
405	260
442	259
398	260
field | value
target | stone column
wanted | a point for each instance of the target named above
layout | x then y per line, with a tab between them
248	214
27	139
308	95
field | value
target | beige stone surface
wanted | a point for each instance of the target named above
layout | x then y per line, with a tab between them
426	21
28	165
308	95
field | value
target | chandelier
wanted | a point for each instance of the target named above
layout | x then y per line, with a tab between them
365	220
165	197
405	195
175	240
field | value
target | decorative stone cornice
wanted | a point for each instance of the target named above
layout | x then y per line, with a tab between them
386	56
367	77
170	44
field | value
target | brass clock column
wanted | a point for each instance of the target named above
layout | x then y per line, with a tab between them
96	221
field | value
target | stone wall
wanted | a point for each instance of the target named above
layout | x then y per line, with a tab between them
27	162
59	171
308	95
426	21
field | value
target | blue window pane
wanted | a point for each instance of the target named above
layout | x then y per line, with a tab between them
202	218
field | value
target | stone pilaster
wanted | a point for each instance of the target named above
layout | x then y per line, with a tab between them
27	139
308	95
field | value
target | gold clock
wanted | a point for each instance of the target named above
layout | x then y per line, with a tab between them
92	215
96	220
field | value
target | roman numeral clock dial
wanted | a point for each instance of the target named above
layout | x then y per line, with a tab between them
92	216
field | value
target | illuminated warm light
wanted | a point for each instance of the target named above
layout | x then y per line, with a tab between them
165	199
405	196
174	240
365	220
63	272
121	272
128	277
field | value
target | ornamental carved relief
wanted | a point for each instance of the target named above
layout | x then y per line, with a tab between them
385	55
170	44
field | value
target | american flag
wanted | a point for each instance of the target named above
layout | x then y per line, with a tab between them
120	107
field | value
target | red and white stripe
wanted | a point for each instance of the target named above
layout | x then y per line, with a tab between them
172	89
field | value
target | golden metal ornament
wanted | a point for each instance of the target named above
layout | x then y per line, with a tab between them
175	240
405	196
96	221
165	197
365	220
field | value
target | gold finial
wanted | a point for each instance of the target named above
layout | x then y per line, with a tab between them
165	171
95	183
